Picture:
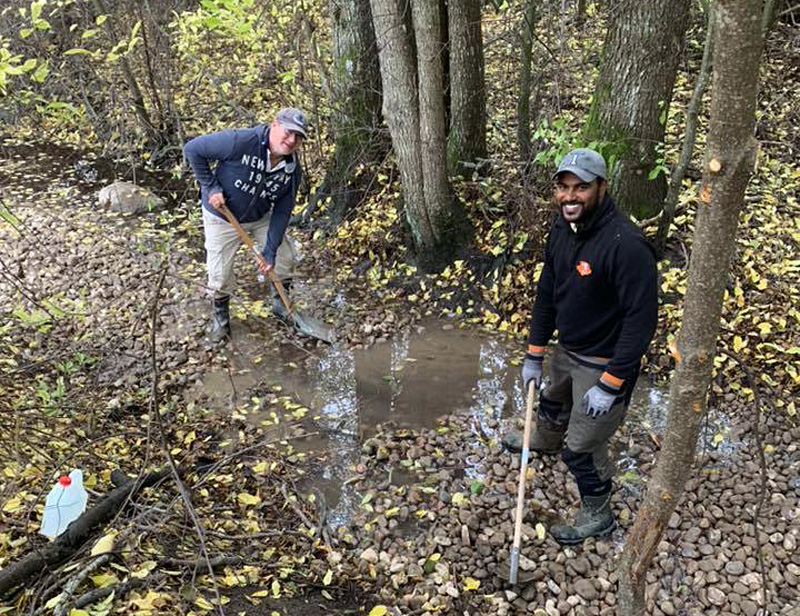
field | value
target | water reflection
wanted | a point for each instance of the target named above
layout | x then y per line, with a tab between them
419	375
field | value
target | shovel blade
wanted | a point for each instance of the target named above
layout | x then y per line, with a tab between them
314	328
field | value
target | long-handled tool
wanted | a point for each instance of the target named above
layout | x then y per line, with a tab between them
523	470
305	324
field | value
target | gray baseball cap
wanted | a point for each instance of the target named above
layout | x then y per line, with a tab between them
292	119
587	164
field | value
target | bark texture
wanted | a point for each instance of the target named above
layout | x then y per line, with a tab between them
728	165
524	119
415	116
401	111
640	59
467	139
356	101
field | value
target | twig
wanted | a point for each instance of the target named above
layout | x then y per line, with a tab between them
297	509
119	590
75	581
219	561
155	415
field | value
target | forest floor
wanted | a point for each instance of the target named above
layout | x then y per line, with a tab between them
297	504
86	290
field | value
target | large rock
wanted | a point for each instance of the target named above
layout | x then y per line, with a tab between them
128	198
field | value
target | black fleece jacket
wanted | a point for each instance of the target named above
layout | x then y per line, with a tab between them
599	288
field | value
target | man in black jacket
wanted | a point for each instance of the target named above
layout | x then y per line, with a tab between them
598	288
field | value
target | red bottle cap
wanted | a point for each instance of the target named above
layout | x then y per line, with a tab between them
64	481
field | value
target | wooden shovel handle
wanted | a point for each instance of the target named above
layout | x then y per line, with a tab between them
248	241
523	468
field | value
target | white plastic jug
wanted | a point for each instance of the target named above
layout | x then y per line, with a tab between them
65	503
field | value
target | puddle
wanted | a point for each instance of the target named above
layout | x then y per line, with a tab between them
425	372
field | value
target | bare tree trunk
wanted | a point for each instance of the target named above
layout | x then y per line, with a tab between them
524	119
425	16
728	166
416	124
137	98
641	54
580	12
467	139
400	109
768	16
356	100
676	181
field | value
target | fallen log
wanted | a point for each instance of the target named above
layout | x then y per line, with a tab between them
76	534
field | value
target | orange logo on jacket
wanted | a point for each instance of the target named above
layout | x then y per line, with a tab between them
584	269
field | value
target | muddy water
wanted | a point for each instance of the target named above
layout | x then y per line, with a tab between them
423	373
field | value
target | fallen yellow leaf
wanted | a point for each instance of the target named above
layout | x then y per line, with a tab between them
104	545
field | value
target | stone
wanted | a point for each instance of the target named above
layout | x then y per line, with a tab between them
716	596
585	589
128	198
734	567
369	555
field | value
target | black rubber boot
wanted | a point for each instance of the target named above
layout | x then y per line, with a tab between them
593	520
220	328
546	438
278	309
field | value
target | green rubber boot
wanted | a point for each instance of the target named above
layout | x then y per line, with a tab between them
593	520
545	438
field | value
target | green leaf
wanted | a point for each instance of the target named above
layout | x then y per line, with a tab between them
476	487
25	33
100	19
40	74
36	9
76	51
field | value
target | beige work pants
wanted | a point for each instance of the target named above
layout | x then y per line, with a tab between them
221	243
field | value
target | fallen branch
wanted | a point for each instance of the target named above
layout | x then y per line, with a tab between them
66	544
75	581
124	588
119	590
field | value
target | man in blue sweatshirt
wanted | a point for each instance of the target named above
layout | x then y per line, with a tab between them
255	173
599	289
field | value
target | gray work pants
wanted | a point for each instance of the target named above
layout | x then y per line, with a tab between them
586	451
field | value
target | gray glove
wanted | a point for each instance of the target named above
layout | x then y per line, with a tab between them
532	370
598	400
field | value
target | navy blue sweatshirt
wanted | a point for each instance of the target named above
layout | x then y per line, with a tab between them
599	288
241	175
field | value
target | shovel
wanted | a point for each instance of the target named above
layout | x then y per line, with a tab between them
305	324
523	469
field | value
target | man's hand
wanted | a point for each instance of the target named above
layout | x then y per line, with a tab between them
217	200
597	401
263	266
532	371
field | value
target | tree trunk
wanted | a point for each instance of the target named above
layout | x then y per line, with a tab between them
676	181
729	160
416	124
580	12
467	139
628	115
356	99
524	119
401	111
137	98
